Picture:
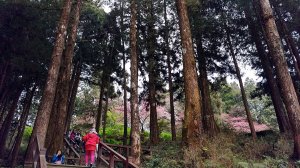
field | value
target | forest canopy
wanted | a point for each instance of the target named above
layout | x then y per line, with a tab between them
146	74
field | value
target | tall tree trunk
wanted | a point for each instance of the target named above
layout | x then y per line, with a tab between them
135	127
208	119
154	134
4	94
192	125
72	96
22	123
287	89
170	80
3	111
99	110
125	134
53	116
63	94
7	123
4	71
289	40
238	74
105	115
44	110
292	47
282	119
4	107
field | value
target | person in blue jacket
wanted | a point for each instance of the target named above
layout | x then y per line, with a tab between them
58	158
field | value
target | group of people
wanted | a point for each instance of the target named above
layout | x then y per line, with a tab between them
91	141
75	138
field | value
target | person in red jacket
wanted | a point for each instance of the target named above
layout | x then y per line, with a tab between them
91	140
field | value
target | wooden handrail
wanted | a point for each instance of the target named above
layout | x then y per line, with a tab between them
39	154
70	145
76	161
112	155
127	147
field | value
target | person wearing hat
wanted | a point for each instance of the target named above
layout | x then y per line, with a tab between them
91	140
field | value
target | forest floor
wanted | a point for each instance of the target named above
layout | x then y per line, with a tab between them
227	150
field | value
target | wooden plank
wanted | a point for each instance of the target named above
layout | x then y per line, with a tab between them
64	165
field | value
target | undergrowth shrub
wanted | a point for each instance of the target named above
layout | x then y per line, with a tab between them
226	150
114	134
25	139
165	136
217	152
165	155
193	156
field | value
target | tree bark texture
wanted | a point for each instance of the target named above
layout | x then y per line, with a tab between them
7	123
3	112
192	126
105	115
282	119
73	93
170	79
244	97
63	90
154	133
208	119
4	107
45	107
106	72
22	123
125	133
5	94
135	127
292	47
290	41
53	117
100	104
5	71
284	79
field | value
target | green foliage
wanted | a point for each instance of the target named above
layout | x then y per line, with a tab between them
27	133
166	155
114	134
165	136
163	125
228	150
234	150
84	102
114	130
227	98
217	103
231	96
112	119
249	165
25	139
145	137
273	162
83	127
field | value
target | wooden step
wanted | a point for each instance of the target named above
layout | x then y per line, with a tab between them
50	165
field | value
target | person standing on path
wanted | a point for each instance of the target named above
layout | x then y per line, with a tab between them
91	140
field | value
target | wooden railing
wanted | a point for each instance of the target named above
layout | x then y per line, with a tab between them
110	156
125	149
38	154
76	159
